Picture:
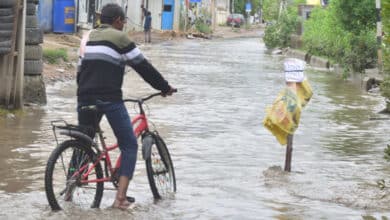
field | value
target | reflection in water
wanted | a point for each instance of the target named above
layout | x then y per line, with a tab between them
351	132
19	158
227	164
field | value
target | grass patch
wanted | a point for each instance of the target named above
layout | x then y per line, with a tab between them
55	55
385	88
202	27
5	112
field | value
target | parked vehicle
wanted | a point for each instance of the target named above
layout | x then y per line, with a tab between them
235	20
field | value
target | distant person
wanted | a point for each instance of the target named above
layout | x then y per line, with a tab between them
148	27
144	13
144	10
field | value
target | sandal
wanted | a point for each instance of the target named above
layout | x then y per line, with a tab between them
122	204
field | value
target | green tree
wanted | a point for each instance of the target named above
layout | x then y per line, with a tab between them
271	10
239	6
256	6
355	14
343	32
278	34
385	85
386	40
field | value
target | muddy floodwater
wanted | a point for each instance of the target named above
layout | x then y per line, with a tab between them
228	166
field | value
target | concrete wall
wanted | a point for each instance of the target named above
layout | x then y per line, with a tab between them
134	15
221	17
176	18
314	61
83	10
222	13
155	7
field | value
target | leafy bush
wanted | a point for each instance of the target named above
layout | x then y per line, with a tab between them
202	26
362	52
318	32
325	34
385	85
54	55
278	34
385	88
353	15
271	36
270	9
386	40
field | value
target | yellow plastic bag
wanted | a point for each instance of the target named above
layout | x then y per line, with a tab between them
280	135
304	92
282	118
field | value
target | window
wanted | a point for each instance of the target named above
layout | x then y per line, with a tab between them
167	8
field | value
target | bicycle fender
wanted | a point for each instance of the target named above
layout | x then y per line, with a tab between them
147	143
78	135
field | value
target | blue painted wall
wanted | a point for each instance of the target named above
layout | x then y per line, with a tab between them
45	15
64	16
167	15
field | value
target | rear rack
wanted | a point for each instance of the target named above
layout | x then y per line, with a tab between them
65	129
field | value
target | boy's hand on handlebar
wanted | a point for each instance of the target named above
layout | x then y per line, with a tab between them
170	92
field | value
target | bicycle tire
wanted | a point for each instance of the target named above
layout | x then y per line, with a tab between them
64	198
162	181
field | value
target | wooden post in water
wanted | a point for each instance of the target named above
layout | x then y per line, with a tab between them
289	148
18	59
12	64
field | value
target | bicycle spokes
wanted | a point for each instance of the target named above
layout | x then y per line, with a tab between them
66	180
163	178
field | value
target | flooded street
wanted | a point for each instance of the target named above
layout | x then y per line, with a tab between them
228	166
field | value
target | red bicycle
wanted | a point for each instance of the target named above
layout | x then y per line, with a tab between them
74	176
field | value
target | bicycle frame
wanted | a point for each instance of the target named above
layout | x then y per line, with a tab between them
141	126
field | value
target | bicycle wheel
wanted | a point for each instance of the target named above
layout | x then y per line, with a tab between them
63	176
160	170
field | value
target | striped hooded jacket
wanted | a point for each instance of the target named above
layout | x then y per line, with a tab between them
102	65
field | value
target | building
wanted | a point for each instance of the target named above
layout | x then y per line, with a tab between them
317	2
165	13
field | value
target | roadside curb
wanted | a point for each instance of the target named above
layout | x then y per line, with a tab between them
314	61
371	78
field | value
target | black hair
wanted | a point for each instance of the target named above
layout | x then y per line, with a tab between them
149	13
110	12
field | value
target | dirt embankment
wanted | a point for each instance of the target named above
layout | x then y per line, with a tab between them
62	70
66	70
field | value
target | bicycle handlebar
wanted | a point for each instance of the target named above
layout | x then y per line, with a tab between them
141	100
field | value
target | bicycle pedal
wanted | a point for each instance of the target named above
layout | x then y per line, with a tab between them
130	199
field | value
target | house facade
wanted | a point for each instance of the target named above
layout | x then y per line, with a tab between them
222	11
165	13
317	2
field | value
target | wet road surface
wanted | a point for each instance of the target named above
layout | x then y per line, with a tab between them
228	166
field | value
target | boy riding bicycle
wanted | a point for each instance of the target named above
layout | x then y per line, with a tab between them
104	52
